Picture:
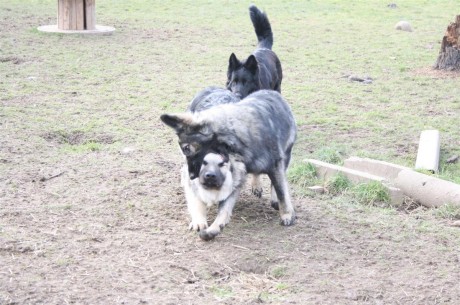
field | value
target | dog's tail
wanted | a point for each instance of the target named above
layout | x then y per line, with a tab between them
262	27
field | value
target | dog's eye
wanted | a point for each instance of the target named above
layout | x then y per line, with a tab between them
187	149
205	163
221	164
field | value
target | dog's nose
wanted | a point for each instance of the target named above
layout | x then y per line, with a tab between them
210	176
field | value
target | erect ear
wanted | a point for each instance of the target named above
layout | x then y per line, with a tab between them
177	121
251	64
233	62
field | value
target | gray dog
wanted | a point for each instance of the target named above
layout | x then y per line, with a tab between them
259	130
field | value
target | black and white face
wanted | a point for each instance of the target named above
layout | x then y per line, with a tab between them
214	170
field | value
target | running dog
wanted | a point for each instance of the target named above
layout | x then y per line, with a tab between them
262	69
259	131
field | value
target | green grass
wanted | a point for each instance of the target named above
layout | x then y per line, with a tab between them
371	193
448	211
141	71
278	272
302	174
222	292
338	184
332	155
81	148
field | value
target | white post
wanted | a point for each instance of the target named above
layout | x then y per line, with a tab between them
428	151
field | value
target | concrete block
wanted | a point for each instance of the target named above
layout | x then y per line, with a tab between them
389	171
428	151
429	191
326	171
396	195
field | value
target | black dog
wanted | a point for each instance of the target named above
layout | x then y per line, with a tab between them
262	69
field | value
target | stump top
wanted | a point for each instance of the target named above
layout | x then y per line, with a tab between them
100	29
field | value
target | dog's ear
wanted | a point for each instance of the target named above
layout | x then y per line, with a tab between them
177	121
233	63
251	64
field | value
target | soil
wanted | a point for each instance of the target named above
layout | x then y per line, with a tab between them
108	225
88	230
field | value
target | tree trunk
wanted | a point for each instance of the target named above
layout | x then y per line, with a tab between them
449	55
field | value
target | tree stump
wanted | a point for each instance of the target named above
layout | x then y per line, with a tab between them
76	15
449	55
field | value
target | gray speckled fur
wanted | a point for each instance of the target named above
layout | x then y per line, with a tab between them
210	97
261	129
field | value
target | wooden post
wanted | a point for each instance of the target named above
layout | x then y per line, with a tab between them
76	15
90	12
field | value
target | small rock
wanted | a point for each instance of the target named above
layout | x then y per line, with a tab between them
452	159
127	150
456	223
392	5
403	26
364	80
316	189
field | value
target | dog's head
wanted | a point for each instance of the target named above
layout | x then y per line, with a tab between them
214	170
243	77
196	139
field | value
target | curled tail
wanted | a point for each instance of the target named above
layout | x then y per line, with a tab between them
262	27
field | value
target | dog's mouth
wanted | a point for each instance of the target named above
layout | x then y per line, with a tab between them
211	185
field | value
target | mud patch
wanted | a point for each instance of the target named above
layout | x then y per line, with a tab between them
434	73
13	59
77	137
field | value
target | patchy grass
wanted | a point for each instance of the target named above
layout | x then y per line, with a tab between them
279	272
332	155
222	292
302	174
448	211
372	193
338	184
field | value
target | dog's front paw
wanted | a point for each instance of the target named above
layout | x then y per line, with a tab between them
209	234
257	191
197	226
275	205
287	219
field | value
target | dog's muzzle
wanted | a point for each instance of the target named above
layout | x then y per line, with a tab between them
210	180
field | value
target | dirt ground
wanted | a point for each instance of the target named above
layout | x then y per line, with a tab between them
89	231
99	230
97	215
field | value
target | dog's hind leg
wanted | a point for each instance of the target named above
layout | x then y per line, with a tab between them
256	185
274	199
280	185
223	217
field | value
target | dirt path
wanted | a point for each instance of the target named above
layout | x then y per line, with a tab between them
95	230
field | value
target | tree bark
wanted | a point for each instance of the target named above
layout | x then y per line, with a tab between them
449	55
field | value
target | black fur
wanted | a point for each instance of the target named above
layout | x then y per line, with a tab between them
262	69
